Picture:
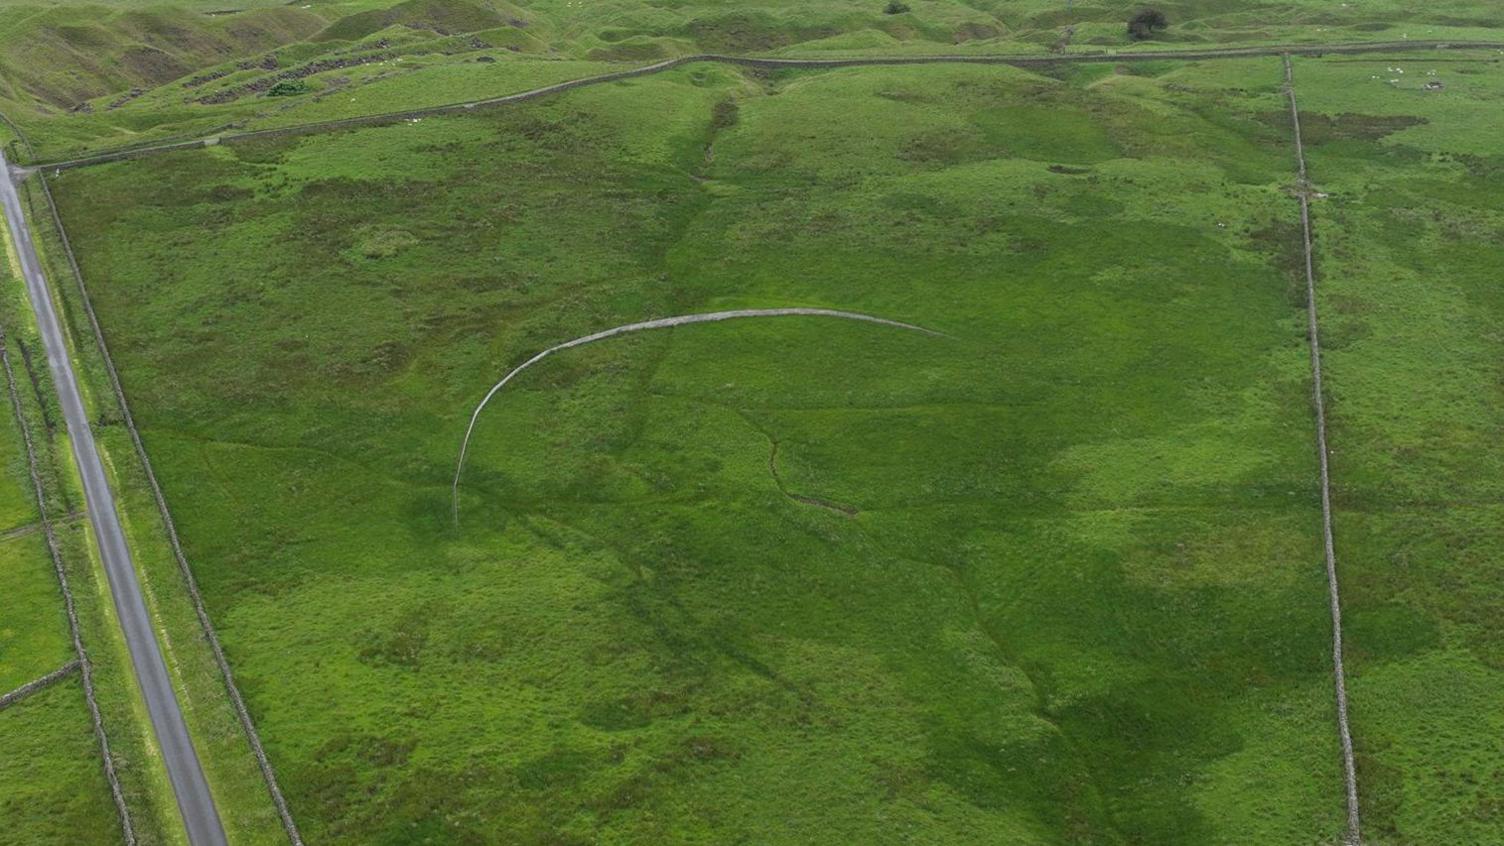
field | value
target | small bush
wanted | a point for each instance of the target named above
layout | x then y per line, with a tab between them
288	88
379	242
896	7
1142	26
724	115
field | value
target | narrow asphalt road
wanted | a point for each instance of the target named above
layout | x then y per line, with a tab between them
188	784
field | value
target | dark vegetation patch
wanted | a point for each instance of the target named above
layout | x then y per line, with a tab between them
291	80
975	32
1390	632
942	147
1283	241
632	50
1488	168
1318	128
152	66
401	646
1146	24
1479	22
750	32
444	17
228	194
724	114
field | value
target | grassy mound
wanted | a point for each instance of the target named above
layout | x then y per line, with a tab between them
64	56
444	17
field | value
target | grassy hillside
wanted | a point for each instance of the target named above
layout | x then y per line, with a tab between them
60	57
87	77
1055	579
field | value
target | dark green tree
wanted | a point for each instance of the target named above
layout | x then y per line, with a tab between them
288	88
1143	26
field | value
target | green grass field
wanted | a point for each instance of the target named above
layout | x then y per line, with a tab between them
54	789
245	807
1054	579
1410	255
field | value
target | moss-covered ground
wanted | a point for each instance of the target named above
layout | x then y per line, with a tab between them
1054	579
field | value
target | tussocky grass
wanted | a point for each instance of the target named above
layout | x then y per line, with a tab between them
1407	243
1058	581
54	789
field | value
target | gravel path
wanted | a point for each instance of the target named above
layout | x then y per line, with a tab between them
660	323
1350	773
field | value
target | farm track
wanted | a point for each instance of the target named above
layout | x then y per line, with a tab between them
1030	60
660	323
1318	399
